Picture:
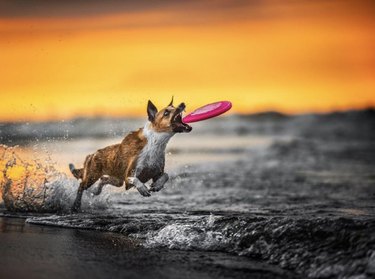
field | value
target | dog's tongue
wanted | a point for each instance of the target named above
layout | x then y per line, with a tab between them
178	122
187	127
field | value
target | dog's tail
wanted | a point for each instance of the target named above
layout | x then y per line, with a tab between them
77	173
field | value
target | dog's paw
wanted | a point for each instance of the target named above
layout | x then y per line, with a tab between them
142	189
75	209
156	187
96	189
159	184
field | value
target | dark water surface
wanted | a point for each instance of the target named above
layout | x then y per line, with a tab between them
30	251
301	204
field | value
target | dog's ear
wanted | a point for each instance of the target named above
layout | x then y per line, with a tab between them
151	111
171	103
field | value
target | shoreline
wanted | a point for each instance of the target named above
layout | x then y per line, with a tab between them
52	252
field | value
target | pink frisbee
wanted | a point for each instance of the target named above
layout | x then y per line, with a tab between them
208	111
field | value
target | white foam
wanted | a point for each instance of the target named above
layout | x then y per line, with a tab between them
199	235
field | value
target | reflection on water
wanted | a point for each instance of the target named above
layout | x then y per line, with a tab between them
182	149
36	178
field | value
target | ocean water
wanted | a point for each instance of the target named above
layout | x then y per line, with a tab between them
299	202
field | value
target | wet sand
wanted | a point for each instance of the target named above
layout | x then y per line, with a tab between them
31	251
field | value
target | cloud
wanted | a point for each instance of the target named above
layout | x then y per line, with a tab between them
196	10
73	8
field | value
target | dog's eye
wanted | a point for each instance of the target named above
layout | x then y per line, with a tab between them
166	113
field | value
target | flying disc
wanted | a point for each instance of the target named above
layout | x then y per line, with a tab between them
208	111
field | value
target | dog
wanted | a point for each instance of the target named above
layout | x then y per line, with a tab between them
139	158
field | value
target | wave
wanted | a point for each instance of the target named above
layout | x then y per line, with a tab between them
305	205
316	247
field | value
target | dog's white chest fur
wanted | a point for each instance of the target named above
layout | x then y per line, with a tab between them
152	156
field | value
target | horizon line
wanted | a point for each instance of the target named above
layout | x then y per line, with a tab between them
235	113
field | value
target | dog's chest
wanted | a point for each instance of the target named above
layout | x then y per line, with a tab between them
151	159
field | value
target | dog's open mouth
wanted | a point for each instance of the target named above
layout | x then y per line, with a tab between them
178	126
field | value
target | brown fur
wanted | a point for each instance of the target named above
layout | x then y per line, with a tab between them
162	123
116	163
115	160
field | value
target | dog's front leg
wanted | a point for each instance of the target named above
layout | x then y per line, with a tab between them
158	182
141	187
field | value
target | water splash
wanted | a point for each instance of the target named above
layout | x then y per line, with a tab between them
192	235
35	185
28	185
31	182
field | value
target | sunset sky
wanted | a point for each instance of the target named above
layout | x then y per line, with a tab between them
64	59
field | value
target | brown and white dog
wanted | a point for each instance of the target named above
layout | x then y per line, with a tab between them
137	159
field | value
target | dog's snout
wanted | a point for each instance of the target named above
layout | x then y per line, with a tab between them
181	107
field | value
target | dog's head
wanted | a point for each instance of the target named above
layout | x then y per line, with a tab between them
168	119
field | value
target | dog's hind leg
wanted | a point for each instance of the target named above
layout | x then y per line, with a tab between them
158	182
106	179
85	184
77	203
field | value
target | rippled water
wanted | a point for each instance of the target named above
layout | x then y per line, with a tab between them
304	204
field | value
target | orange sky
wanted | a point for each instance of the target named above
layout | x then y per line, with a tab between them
60	62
